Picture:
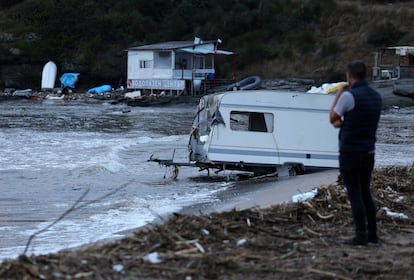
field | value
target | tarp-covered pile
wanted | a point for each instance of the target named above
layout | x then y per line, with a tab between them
101	89
69	80
327	88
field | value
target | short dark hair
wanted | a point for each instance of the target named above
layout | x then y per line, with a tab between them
357	69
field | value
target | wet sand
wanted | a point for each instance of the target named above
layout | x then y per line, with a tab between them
279	191
265	192
292	241
250	194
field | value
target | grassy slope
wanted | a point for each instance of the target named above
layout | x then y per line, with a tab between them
271	37
344	35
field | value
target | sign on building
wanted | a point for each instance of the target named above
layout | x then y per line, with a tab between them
156	84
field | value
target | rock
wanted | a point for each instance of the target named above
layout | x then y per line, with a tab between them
404	87
388	90
32	37
72	65
15	51
6	37
404	92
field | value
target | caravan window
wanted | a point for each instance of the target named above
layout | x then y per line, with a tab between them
251	121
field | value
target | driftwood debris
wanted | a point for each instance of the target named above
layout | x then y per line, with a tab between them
295	241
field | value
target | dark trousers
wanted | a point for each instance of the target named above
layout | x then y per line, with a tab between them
356	169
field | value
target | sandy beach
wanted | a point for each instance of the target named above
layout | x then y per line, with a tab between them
256	194
294	240
264	192
277	191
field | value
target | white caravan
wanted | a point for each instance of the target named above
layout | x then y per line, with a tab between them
262	130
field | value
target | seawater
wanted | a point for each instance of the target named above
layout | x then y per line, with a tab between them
395	138
54	152
51	153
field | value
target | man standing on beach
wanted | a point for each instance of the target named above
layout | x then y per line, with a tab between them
356	111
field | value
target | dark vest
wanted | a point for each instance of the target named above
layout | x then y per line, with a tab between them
358	132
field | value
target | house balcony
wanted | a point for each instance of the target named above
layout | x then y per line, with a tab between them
189	74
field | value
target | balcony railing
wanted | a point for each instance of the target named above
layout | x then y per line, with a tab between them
189	74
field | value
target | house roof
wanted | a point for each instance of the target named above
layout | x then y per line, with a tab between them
401	47
205	51
171	45
186	46
402	50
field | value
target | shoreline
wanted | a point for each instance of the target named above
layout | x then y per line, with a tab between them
251	243
266	192
245	194
395	94
241	196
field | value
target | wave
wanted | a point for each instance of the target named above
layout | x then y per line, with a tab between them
28	150
122	215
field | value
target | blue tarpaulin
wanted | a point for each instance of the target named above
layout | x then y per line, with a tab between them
101	89
69	80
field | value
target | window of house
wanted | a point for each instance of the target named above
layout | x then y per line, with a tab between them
163	60
145	64
251	121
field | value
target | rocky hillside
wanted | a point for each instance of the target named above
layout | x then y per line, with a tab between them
274	38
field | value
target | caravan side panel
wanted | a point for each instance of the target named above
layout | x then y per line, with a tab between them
233	142
306	137
301	132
